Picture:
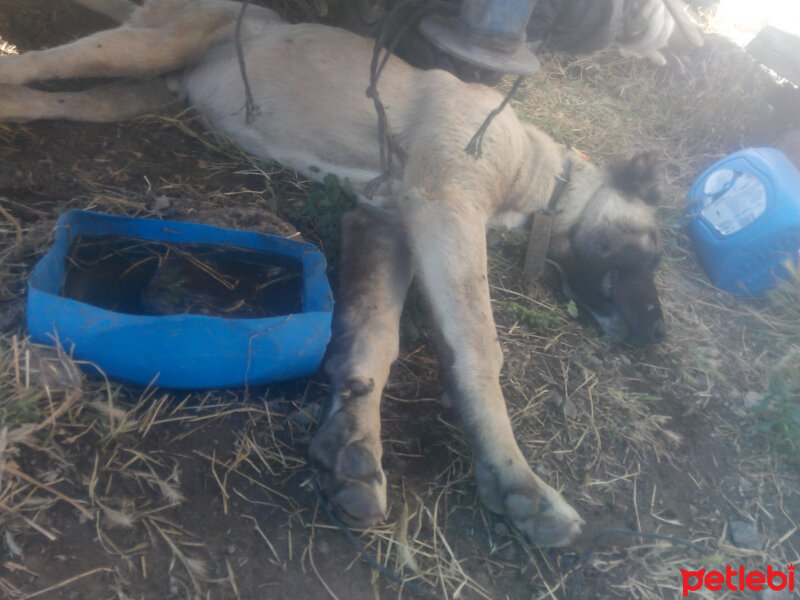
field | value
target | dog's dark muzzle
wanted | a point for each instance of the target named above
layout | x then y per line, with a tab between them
635	301
624	303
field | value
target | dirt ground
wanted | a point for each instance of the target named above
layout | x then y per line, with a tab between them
110	490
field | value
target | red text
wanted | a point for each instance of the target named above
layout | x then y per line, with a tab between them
738	579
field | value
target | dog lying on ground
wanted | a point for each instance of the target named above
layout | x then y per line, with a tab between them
427	219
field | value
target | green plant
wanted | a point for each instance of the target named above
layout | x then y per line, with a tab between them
542	319
320	216
413	322
785	303
779	412
19	407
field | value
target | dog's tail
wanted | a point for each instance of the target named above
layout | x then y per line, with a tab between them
118	10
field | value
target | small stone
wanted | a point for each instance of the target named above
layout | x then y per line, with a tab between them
13	547
745	535
752	400
702	381
745	486
542	470
50	476
161	202
556	398
570	410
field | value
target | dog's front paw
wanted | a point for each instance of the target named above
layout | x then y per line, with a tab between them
348	465
534	508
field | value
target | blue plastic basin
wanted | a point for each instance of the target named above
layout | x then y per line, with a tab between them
185	350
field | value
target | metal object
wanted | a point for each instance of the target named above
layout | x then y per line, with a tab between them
488	34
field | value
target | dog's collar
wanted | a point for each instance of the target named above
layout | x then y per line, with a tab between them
541	224
562	179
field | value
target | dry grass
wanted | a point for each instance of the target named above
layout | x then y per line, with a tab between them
629	411
208	495
85	445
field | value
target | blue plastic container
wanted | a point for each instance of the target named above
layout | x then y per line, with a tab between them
745	220
185	350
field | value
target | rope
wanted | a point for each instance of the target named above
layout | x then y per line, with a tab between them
392	27
251	107
475	144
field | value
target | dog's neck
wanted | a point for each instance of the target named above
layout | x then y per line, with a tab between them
542	224
562	180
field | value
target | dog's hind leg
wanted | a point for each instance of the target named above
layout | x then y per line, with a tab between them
346	450
447	237
114	102
159	38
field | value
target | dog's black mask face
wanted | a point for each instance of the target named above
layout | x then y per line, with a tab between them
614	249
618	291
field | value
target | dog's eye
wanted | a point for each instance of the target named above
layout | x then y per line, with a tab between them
609	279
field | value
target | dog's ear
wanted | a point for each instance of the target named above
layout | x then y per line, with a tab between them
639	176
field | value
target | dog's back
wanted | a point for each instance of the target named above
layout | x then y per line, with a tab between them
313	114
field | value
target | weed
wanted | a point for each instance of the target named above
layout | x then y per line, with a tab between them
320	216
707	362
20	408
413	322
785	304
779	412
537	319
572	309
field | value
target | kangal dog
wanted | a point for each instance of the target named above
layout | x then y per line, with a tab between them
427	220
